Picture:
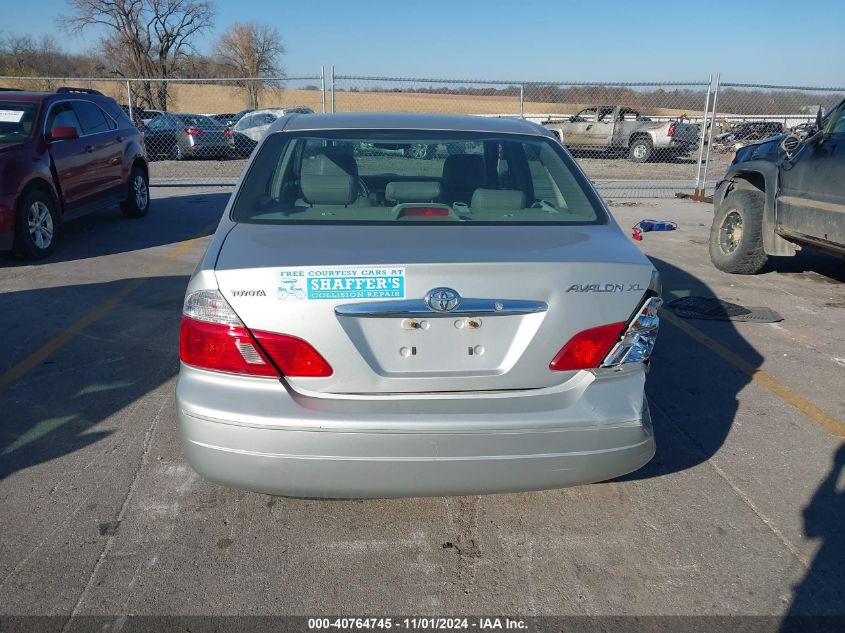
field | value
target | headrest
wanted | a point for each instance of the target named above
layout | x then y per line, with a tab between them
329	179
497	199
413	191
463	172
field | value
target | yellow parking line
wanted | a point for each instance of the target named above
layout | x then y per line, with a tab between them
49	348
817	415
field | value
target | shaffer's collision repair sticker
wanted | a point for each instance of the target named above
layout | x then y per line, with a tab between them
342	283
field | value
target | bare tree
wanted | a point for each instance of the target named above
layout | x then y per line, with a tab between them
24	55
253	50
147	38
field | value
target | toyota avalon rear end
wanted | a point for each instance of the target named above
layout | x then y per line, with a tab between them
370	324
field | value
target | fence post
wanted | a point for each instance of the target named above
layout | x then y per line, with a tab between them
712	125
129	101
323	87
521	101
332	87
699	193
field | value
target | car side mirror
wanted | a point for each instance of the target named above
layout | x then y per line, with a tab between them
63	133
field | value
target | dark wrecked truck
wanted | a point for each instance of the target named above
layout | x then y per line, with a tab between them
782	194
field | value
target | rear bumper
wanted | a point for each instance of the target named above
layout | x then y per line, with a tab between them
682	147
210	149
317	447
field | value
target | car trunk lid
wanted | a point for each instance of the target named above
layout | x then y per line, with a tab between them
358	295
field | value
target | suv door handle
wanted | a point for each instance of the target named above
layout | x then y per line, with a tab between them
119	139
89	148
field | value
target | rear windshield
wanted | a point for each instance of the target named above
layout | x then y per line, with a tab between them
17	120
198	120
420	177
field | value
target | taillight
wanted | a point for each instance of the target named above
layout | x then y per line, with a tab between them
219	347
227	132
192	131
293	356
640	336
614	344
213	337
672	127
586	349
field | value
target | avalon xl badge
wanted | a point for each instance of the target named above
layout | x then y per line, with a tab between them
443	299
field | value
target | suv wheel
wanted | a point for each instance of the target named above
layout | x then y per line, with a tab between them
176	152
137	201
640	150
736	237
36	226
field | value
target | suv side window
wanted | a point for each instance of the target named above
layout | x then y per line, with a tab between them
62	115
93	119
117	113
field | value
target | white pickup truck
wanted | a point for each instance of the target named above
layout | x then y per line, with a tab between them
605	128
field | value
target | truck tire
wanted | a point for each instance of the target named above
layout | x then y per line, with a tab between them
137	201
36	226
640	149
736	236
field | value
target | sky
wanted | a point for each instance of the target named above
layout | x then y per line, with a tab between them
774	42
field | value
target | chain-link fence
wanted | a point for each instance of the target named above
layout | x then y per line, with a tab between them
634	139
197	131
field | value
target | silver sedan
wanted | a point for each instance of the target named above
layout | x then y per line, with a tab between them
371	325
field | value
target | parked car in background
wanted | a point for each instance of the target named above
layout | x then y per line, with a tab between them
618	128
250	129
225	119
147	115
180	136
741	134
64	154
237	117
480	325
781	194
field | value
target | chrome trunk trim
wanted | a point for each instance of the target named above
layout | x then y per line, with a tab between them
418	308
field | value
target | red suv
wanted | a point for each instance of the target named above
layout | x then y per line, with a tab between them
64	154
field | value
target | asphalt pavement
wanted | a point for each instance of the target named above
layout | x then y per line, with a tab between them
741	512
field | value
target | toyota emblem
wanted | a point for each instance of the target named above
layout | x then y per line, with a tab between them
443	299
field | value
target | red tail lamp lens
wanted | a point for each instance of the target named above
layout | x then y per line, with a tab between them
587	349
222	347
294	356
192	131
234	349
